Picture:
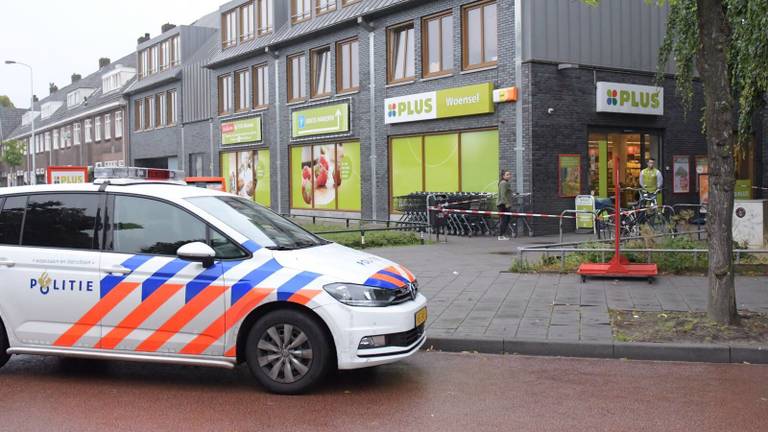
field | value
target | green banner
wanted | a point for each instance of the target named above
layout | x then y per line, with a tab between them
743	189
322	120
465	101
241	131
262	195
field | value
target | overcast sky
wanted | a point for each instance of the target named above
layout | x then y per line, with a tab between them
70	36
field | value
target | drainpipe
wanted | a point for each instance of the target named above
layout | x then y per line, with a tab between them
278	166
519	148
210	127
372	116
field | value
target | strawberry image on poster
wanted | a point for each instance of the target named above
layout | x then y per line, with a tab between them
306	173
306	191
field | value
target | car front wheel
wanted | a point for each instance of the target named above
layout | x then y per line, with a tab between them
288	352
4	357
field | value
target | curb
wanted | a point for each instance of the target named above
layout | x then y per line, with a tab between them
706	353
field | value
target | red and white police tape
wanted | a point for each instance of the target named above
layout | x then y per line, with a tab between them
493	213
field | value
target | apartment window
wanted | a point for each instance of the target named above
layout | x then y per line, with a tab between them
171	108
107	126
348	2
154	59
76	133
144	63
479	43
260	86
47	141
175	51
139	115
165	55
86	131
347	66
301	10
55	139
225	94
264	10
229	29
119	124
97	129
400	54
321	71
162	109
297	78
325	6
242	90
149	102
437	49
247	24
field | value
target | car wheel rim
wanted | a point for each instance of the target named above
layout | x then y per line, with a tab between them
284	353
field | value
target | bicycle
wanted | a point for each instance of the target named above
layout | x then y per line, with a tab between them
644	212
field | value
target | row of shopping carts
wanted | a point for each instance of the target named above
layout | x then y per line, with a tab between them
414	208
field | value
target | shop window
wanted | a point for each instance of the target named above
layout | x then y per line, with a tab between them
437	49
400	54
326	176
347	66
450	162
321	72
297	78
633	150
479	35
247	174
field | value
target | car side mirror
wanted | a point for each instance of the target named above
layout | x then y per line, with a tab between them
197	252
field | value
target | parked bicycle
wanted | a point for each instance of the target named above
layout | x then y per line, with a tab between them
645	212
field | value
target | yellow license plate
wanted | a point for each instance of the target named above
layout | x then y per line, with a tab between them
421	316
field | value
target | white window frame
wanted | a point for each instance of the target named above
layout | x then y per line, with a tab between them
176	50
163	97
76	133
107	126
47	140
118	124
174	113
87	128
97	129
56	139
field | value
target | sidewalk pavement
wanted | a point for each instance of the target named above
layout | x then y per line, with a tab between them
473	299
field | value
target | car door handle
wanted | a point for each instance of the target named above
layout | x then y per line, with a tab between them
118	270
6	262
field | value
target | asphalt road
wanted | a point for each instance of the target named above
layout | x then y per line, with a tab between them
429	392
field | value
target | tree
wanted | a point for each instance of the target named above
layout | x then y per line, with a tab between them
726	41
13	154
5	102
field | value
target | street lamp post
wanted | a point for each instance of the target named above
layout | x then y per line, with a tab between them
33	177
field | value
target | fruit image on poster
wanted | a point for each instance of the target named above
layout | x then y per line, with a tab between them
301	177
261	162
347	176
323	168
246	179
326	176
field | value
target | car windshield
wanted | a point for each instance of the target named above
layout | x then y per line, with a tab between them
259	224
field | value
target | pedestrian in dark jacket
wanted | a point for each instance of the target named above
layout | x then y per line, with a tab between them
504	203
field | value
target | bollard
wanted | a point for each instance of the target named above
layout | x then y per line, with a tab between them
421	231
347	222
362	238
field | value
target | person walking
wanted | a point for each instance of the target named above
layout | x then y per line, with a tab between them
504	203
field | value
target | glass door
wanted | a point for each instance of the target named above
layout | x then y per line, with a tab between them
633	150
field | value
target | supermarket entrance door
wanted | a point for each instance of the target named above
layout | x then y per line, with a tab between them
633	148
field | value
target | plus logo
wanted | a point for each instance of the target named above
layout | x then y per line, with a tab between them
392	110
613	97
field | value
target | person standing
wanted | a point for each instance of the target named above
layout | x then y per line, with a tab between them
651	179
504	203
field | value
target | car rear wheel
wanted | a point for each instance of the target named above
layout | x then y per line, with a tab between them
288	352
4	357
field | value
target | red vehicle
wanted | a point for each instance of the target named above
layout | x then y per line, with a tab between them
216	183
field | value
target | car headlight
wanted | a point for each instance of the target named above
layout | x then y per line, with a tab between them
360	295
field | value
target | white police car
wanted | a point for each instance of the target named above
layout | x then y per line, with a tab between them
149	270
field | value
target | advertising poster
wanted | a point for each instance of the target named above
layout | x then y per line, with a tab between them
569	174
246	173
326	176
585	203
441	162
246	178
241	131
681	167
66	174
480	161
702	167
261	162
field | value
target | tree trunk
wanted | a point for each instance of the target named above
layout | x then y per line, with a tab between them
714	34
